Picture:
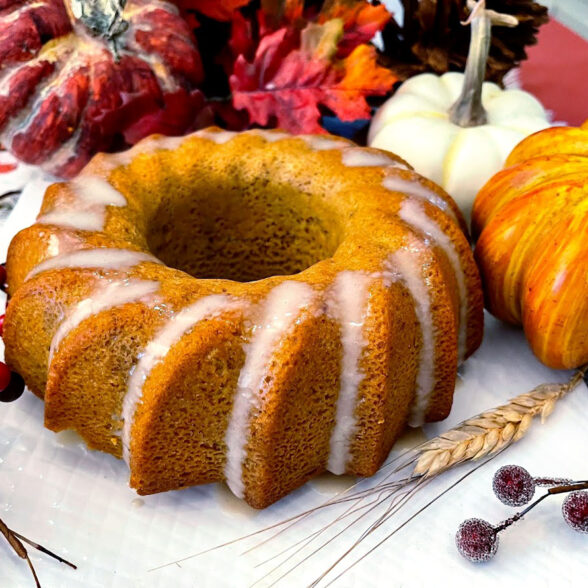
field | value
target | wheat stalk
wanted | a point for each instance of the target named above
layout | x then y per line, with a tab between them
492	430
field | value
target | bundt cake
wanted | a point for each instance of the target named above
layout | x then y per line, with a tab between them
250	307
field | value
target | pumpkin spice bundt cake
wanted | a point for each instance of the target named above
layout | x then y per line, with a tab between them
250	307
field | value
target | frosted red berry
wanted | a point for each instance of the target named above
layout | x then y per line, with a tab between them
476	540
15	387
2	276
575	511
4	376
2	324
513	485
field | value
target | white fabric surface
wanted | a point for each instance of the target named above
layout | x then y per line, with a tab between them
77	503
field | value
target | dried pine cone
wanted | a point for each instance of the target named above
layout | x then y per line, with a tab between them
432	38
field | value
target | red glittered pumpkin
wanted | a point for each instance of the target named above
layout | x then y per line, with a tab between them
80	76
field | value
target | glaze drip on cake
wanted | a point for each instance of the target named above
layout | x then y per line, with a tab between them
176	327
110	295
219	137
318	143
413	214
298	371
401	266
347	303
96	191
270	136
279	312
83	220
88	212
104	258
419	190
358	157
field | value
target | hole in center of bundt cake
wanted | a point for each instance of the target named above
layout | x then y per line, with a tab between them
243	233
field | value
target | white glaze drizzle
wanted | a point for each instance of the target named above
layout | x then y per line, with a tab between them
82	220
167	143
404	266
122	158
59	243
148	146
347	303
280	311
270	136
88	212
171	333
414	188
145	146
105	297
101	258
360	157
414	215
218	137
94	190
318	143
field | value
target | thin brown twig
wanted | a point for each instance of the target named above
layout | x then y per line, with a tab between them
16	540
19	549
42	549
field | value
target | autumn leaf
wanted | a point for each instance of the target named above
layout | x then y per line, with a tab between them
363	77
289	81
217	9
275	14
241	41
361	21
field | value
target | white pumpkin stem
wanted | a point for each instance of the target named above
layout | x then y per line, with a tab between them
468	110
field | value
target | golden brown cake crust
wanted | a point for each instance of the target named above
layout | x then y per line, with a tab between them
306	308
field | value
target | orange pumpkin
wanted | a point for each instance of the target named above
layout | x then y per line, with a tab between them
532	221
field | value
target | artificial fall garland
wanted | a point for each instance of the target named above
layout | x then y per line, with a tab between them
95	75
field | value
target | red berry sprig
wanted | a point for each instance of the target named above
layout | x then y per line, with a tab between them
3	277
11	384
5	375
575	511
477	540
514	486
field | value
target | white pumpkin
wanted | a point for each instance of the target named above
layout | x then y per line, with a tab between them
416	123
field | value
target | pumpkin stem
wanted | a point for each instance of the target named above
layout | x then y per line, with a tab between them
468	110
100	18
